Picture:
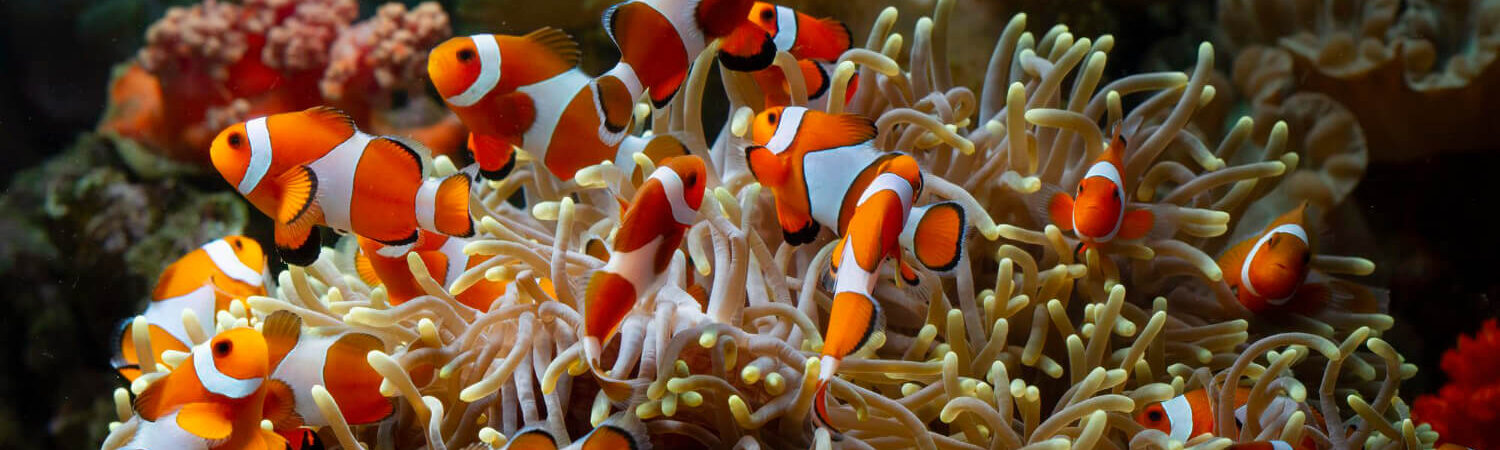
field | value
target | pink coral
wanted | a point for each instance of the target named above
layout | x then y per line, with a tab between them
385	50
1467	410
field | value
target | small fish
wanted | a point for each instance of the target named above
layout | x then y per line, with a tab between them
1186	415
445	260
874	235
314	167
659	39
1098	213
1265	445
205	280
301	359
623	431
799	34
527	92
1268	269
794	143
215	399
663	209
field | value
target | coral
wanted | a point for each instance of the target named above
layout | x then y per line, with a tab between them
1467	410
1382	59
215	63
1025	343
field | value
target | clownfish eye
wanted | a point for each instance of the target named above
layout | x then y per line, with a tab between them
234	140
767	15
465	55
1115	193
1080	189
771	118
222	348
1306	257
691	179
238	245
1154	415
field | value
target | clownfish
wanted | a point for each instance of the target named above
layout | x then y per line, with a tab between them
301	360
527	92
1265	445
818	78
1098	213
445	260
651	230
623	431
818	165
874	235
1268	269
1186	415
314	167
215	399
815	43
205	280
658	40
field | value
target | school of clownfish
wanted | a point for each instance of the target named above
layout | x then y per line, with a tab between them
258	387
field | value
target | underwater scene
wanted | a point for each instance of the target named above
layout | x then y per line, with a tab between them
738	224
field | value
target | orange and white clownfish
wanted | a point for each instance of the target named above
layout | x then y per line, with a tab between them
215	399
623	431
314	167
659	39
445	260
1099	213
1187	415
817	166
204	281
874	234
301	359
651	230
527	92
799	34
1268	269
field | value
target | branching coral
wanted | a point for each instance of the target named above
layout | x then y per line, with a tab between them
216	63
1027	343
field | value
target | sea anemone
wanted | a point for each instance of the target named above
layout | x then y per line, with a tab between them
1025	344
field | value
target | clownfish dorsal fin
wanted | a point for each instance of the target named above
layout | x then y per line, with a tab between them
281	329
558	43
205	420
331	117
394	148
280	406
842	38
850	129
532	438
162	290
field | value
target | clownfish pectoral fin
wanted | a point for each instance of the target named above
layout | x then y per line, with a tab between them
1136	224
496	156
296	240
365	269
623	431
747	49
532	438
1060	210
939	235
280	406
768	168
663	146
615	108
797	228
281	329
205	420
558	42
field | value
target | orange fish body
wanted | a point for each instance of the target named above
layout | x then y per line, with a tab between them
314	167
526	91
1268	269
1098	213
215	399
204	281
445	260
1186	415
793	142
301	359
623	431
658	40
815	43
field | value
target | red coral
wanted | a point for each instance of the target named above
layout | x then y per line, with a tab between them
214	64
1466	411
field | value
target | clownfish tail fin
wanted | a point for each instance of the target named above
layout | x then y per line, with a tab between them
443	206
747	49
663	146
842	38
820	410
936	234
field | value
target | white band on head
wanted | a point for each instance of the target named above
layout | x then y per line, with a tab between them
228	262
489	71
1180	416
427	204
1108	171
671	185
786	28
260	154
1290	228
217	382
786	129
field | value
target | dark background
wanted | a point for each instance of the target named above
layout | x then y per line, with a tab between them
1431	238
